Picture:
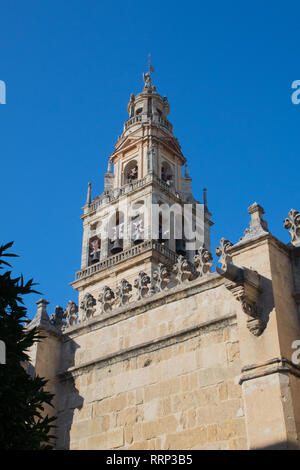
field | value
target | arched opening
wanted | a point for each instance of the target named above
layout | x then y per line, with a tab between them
166	173
116	232
163	226
138	222
179	235
130	172
94	250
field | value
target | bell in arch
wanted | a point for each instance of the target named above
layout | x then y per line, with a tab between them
94	251
180	247
117	246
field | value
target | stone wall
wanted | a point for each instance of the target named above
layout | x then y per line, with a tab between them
204	363
172	383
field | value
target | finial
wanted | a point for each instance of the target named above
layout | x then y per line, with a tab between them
186	173
41	318
150	68
292	222
89	192
205	197
147	75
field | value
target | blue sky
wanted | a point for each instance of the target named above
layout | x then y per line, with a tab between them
70	66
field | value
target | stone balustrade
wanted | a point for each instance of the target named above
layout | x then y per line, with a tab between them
126	189
148	119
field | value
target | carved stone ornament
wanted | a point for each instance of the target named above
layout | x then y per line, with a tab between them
222	252
292	222
244	284
161	276
183	269
70	313
141	284
123	292
147	80
258	226
56	318
87	306
106	299
203	261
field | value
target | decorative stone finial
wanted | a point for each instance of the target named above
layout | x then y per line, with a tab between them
106	299
205	197
70	313
89	194
186	171
292	222
123	292
184	270
258	226
87	306
141	284
161	277
56	318
222	252
41	319
203	261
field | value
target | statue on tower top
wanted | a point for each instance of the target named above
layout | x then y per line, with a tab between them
147	80
147	75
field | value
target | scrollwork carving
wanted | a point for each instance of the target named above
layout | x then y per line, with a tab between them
56	318
292	222
106	299
222	252
87	306
183	269
161	276
203	261
70	313
123	292
141	284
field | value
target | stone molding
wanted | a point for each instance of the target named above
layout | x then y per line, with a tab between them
273	366
184	272
138	307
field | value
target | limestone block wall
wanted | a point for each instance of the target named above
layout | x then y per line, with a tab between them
163	376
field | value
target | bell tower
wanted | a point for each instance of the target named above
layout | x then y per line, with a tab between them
146	215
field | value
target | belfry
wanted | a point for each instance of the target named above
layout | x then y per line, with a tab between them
161	351
146	185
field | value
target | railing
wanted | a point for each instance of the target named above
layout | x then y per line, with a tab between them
126	254
128	188
148	119
132	121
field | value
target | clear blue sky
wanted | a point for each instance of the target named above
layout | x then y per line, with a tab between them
70	66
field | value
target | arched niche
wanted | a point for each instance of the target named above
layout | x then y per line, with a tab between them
137	222
131	171
166	172
94	249
116	232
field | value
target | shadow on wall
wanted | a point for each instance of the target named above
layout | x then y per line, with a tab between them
68	397
285	445
266	300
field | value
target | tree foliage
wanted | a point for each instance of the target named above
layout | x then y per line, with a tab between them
22	398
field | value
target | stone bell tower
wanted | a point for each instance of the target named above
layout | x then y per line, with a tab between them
162	353
126	230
